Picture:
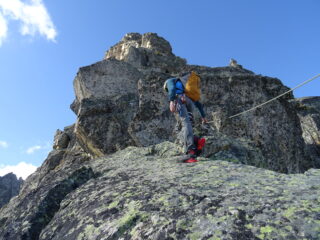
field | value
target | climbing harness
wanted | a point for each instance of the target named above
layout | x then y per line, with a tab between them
260	105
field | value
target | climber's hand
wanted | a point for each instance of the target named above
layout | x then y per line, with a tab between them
204	120
172	106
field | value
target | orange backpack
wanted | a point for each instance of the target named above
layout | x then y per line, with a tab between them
192	87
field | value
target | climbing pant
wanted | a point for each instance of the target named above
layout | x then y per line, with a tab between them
182	109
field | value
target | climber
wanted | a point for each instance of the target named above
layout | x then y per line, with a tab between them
182	105
191	81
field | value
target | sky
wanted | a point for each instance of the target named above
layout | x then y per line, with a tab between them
43	43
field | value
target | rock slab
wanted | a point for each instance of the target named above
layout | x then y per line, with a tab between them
143	193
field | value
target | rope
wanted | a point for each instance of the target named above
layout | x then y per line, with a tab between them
260	105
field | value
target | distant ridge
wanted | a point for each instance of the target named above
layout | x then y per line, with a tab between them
9	187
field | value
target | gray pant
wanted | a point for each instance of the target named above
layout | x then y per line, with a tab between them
186	126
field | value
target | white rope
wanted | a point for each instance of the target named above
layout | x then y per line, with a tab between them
260	105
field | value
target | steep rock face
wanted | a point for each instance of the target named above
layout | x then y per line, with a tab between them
106	96
120	102
143	193
309	113
9	187
270	127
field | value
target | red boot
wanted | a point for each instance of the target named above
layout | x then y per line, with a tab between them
192	158
201	143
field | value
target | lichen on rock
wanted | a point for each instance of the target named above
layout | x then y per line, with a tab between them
143	196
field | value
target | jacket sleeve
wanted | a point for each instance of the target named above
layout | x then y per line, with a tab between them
171	89
200	108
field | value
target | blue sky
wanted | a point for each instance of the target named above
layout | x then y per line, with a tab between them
44	42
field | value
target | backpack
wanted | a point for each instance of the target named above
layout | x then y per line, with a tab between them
192	87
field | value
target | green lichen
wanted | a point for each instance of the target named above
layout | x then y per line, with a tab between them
267	229
113	204
233	160
234	184
214	238
290	212
89	231
128	194
163	200
249	226
126	222
183	224
195	235
130	219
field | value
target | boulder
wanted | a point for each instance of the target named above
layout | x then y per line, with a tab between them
109	78
61	140
309	113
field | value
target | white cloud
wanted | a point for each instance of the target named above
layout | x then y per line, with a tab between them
31	150
44	147
33	16
22	169
3	28
3	144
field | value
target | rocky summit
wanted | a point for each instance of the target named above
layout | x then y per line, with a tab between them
115	173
